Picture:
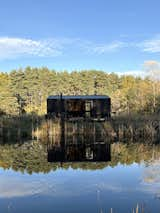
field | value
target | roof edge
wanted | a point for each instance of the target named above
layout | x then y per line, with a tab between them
79	97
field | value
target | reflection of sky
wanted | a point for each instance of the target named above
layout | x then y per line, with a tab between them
58	183
121	184
152	172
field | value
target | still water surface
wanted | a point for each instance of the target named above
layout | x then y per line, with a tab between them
29	183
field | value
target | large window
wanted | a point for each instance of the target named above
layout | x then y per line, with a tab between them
75	108
88	108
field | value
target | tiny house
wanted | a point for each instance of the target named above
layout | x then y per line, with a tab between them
87	106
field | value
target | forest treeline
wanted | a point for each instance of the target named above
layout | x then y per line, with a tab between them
26	90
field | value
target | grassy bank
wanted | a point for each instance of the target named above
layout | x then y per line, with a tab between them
137	128
126	128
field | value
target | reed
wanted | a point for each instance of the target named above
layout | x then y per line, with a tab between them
124	129
136	129
137	209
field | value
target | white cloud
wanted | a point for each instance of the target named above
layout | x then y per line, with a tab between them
114	46
21	47
11	47
16	47
96	48
137	73
151	45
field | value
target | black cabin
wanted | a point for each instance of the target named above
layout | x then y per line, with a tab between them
90	106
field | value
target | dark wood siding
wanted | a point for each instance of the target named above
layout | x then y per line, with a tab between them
80	108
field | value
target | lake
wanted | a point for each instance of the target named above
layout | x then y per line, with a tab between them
29	182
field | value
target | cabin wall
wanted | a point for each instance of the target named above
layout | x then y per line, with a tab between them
101	108
53	106
78	108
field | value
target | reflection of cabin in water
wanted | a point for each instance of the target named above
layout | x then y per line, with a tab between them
80	152
94	106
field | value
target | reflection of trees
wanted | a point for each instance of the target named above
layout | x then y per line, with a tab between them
32	157
133	152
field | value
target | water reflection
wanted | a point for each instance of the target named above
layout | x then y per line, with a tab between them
80	169
130	177
34	156
79	152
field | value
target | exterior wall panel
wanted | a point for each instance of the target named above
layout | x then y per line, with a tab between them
96	108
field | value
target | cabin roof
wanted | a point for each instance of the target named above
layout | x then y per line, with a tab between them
85	97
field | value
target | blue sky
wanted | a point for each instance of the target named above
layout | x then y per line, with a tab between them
111	35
